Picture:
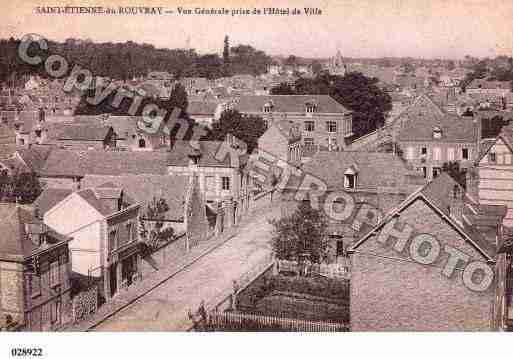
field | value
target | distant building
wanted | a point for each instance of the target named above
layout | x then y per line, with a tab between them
322	120
429	138
283	141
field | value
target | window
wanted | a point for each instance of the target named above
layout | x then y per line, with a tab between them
424	171
35	285
423	151
331	126
129	231
410	153
437	132
436	171
309	126
492	157
349	181
465	153
55	312
112	240
210	183
54	278
310	108
142	143
225	183
309	141
450	154
267	108
437	154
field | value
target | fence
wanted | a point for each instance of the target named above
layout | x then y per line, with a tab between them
333	270
250	322
224	300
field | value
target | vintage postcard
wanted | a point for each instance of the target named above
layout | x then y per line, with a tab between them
256	166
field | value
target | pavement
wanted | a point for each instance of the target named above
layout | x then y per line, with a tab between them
163	304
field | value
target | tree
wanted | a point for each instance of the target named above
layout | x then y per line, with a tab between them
316	68
282	89
301	233
151	222
226	55
23	187
177	99
453	169
245	128
368	102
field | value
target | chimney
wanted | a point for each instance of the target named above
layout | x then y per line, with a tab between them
456	204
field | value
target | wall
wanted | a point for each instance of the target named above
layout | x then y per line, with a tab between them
74	218
163	256
496	180
389	292
11	290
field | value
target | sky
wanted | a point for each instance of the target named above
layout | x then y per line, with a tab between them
358	28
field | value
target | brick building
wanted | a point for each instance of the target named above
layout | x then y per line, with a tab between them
322	120
34	271
392	291
429	140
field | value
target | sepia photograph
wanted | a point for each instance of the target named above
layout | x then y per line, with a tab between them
254	166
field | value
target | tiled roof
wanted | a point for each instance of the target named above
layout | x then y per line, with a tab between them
49	198
143	188
486	84
35	156
79	163
374	169
14	242
87	132
202	107
439	193
289	103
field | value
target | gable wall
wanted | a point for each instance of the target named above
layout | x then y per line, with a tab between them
391	292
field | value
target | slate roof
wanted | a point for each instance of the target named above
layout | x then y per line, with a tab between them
374	169
143	188
289	103
78	163
180	151
454	129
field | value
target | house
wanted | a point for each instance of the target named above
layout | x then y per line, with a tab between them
282	140
66	168
494	166
34	271
85	137
488	87
220	175
130	134
427	266
429	139
323	121
205	112
372	179
103	222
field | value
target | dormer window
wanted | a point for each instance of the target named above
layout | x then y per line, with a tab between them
350	176
492	157
311	107
437	133
268	107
